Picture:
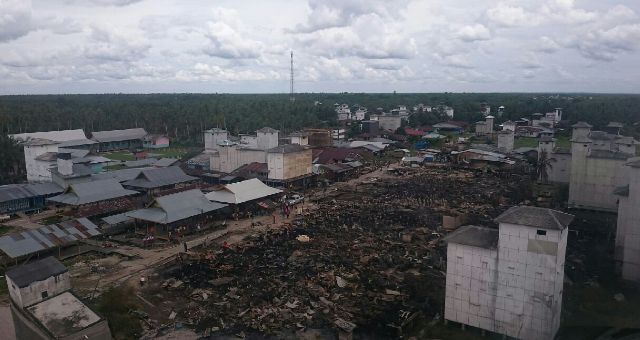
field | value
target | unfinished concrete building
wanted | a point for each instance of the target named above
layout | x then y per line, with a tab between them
509	281
597	160
43	306
485	127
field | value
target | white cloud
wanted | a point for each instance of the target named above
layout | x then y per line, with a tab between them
506	15
227	39
547	45
15	19
110	45
474	32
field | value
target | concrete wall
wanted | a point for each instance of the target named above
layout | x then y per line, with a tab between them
213	137
31	294
593	180
230	158
505	142
267	140
38	171
515	290
628	234
560	171
471	286
528	304
388	122
26	328
289	165
301	140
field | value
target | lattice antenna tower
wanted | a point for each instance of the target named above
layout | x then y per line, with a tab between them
291	97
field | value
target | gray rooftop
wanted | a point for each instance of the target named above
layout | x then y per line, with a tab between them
140	163
118	135
535	217
267	129
608	154
165	162
39	270
121	175
159	177
64	316
54	235
601	135
12	192
475	236
288	148
176	207
615	125
116	219
90	192
581	125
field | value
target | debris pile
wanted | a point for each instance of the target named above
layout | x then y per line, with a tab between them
367	261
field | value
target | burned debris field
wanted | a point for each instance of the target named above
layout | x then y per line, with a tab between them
366	259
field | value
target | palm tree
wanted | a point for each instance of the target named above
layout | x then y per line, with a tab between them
544	163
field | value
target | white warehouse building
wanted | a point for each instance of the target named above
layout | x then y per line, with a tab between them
509	281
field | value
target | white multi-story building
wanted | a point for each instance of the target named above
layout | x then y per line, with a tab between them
509	280
40	149
360	114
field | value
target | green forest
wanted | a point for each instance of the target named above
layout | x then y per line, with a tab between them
184	116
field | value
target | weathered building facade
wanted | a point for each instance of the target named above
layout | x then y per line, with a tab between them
597	160
509	280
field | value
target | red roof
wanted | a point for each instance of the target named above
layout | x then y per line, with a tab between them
413	132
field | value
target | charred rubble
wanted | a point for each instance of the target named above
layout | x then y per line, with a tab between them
367	261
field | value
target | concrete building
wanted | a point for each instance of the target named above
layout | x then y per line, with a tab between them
289	162
597	160
509	281
360	114
509	126
300	138
40	149
338	134
119	139
485	127
319	137
505	141
388	122
43	306
226	156
371	127
214	137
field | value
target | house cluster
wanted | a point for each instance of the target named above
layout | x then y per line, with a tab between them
42	149
386	121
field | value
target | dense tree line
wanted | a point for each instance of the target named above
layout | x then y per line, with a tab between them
184	116
11	161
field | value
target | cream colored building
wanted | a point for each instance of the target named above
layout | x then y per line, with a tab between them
287	162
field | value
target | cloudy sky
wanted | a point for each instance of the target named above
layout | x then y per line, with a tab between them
141	46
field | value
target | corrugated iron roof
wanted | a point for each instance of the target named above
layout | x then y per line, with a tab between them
118	135
176	207
30	241
535	217
159	177
90	192
475	236
12	192
241	192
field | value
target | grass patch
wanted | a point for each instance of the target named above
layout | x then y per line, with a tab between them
119	155
4	229
116	305
52	219
525	142
595	306
168	152
563	142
